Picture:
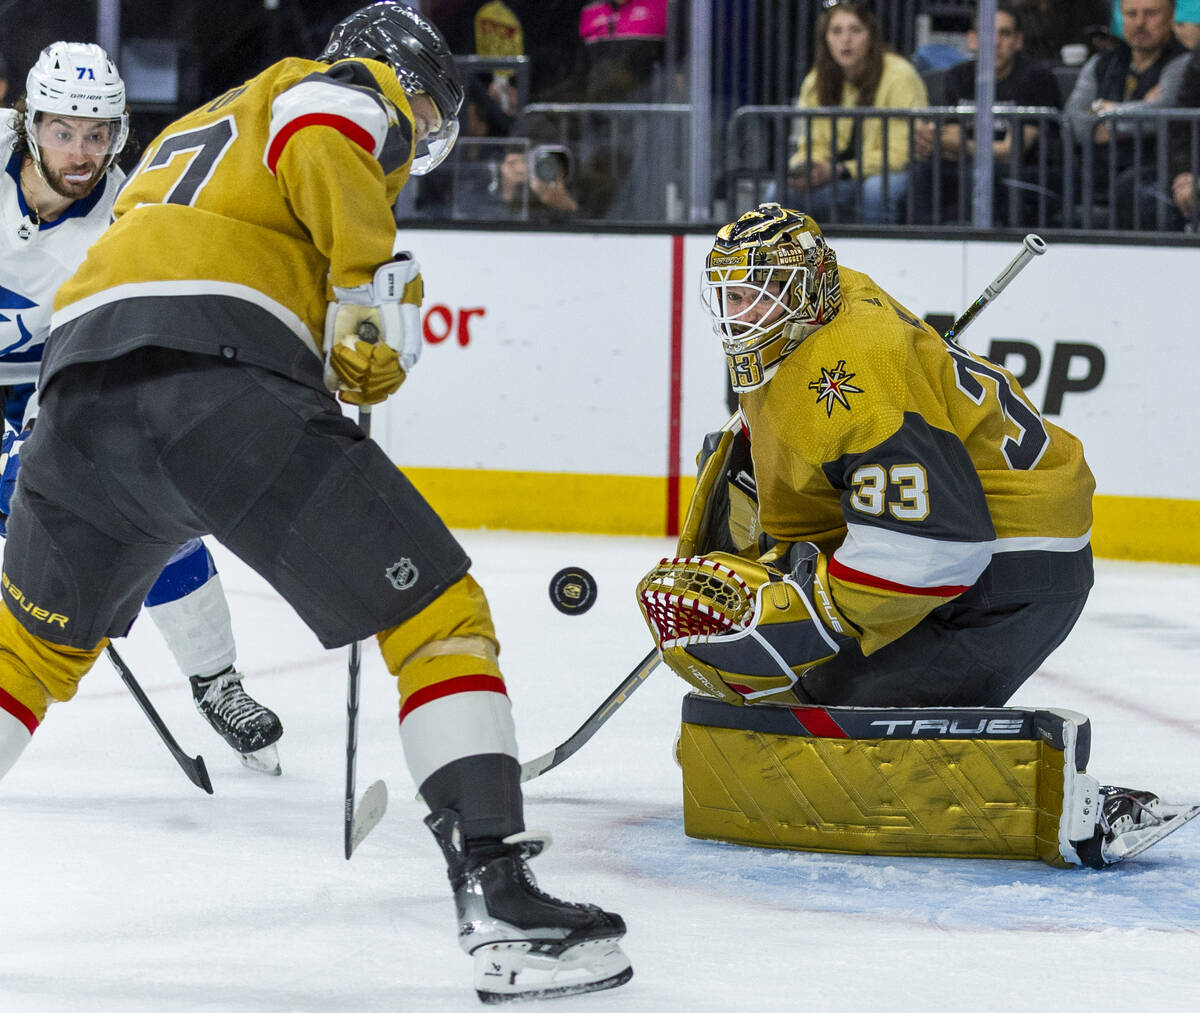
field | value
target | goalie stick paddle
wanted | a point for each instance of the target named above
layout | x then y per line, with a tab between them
360	820
547	761
192	766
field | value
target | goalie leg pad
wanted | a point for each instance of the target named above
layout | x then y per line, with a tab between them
944	782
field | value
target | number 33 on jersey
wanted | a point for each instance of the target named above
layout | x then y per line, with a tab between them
910	459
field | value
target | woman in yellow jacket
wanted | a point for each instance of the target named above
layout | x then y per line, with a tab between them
851	68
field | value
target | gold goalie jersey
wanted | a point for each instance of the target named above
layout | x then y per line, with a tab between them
910	459
240	217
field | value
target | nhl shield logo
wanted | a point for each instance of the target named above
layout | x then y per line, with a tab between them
402	574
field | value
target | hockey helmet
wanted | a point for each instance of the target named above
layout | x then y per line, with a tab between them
397	35
770	279
76	80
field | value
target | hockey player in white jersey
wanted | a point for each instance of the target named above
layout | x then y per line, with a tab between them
60	179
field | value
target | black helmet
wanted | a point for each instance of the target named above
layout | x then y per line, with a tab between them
397	35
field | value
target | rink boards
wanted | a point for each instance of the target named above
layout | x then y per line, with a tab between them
568	378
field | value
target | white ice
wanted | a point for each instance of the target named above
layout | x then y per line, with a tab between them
124	888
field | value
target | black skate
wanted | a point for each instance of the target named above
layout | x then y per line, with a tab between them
249	727
1129	822
526	944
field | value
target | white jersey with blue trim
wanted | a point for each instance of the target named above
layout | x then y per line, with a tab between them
36	259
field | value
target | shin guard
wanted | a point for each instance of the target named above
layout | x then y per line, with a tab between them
456	722
188	605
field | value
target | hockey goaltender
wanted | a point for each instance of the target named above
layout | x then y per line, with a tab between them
885	542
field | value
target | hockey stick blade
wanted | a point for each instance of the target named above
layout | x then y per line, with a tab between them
367	815
548	761
192	766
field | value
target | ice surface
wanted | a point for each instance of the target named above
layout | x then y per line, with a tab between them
124	888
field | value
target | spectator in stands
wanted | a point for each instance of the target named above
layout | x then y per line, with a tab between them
492	176
1187	22
1143	71
530	180
1175	198
3	81
624	45
831	163
1020	81
1184	172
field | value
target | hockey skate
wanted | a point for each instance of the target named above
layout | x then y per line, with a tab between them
1130	821
250	728
526	944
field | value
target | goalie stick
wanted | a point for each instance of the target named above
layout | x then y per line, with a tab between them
360	820
1031	246
193	766
547	761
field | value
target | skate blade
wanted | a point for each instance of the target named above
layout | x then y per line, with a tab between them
265	761
1136	841
508	972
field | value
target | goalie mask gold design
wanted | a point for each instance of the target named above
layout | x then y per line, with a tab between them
769	281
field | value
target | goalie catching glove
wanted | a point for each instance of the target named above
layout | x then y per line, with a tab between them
373	333
741	630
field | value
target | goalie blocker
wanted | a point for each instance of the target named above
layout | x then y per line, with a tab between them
946	782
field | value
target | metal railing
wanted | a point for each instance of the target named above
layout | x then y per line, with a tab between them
631	164
1042	180
1128	161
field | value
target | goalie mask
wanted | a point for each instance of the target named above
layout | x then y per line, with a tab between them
769	281
74	81
395	34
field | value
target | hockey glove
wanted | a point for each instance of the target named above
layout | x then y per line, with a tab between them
740	630
373	333
10	465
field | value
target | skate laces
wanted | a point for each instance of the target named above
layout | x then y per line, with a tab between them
225	697
529	844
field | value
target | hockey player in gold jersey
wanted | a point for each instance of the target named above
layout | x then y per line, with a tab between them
887	540
944	523
186	390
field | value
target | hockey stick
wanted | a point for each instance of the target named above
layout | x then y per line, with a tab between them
194	767
358	820
1031	246
547	761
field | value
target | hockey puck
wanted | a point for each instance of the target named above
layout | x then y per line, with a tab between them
573	590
